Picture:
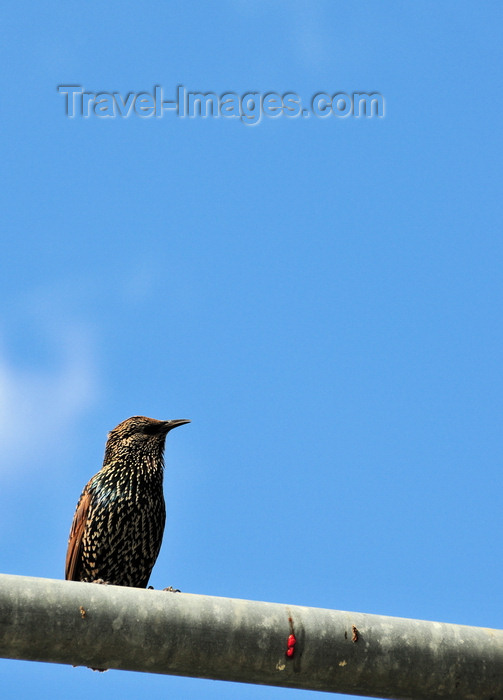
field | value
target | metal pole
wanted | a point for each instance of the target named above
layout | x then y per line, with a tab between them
248	641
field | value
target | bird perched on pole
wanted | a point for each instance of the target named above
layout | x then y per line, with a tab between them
118	525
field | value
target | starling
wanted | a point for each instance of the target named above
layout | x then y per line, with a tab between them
118	525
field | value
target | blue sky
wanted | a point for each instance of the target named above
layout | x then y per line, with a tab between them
321	297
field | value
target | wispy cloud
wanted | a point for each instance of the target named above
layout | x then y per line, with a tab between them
305	24
38	405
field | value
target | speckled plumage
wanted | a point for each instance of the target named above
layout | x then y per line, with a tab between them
118	525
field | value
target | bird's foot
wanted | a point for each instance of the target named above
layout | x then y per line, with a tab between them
170	589
103	582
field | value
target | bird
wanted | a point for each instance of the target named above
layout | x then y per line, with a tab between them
117	529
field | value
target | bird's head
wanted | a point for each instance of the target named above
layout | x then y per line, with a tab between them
141	434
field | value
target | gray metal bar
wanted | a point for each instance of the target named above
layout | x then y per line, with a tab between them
239	640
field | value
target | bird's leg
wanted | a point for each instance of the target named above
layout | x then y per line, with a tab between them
100	580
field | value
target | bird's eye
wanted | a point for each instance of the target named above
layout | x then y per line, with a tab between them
150	429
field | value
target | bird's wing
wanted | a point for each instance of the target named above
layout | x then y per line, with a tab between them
75	539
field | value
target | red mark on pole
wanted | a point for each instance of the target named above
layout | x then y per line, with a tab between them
291	641
290	645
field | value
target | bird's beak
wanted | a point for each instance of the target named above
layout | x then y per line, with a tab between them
170	424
